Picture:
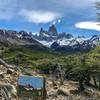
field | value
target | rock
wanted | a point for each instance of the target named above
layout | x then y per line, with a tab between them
2	75
61	92
8	90
52	93
52	30
55	87
10	71
2	72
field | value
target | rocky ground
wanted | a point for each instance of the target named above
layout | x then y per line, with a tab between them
55	91
8	83
69	91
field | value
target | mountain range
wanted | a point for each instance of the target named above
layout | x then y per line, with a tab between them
66	42
49	39
10	38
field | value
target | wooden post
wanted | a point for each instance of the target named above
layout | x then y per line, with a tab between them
44	89
99	80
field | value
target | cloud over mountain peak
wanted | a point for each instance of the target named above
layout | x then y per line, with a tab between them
39	16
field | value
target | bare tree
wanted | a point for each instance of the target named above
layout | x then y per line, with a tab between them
60	72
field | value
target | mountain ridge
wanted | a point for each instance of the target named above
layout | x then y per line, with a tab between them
66	41
49	39
13	38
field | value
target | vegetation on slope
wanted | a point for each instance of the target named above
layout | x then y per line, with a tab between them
79	66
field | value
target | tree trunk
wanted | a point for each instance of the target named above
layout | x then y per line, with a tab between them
87	80
94	79
81	86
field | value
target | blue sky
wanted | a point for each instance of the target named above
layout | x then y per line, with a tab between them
72	16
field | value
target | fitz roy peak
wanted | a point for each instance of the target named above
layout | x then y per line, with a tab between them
65	42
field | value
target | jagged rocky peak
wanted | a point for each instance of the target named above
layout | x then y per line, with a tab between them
7	32
52	33
43	35
47	35
23	33
95	38
42	31
52	30
66	41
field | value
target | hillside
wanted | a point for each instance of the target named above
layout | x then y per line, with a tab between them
63	73
76	72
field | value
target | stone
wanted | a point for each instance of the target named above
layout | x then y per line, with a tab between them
10	71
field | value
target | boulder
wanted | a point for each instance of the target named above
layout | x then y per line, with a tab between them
10	71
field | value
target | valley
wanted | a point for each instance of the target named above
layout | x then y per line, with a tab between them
49	49
68	74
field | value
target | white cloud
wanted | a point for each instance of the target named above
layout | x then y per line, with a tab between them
39	16
56	21
7	9
88	25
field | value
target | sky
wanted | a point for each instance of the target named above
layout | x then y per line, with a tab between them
71	16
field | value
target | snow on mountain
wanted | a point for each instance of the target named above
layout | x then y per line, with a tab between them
50	38
95	39
66	41
11	37
46	43
35	33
